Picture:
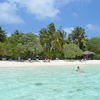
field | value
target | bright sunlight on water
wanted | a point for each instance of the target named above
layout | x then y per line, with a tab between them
50	83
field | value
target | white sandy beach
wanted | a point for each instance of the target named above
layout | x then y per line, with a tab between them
51	63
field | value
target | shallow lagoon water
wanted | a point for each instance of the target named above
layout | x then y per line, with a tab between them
50	83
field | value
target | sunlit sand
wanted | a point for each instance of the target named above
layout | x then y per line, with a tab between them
51	63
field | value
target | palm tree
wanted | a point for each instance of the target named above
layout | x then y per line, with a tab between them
78	37
2	35
52	40
44	37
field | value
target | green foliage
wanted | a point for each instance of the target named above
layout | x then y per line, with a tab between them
78	37
51	28
17	32
5	49
52	41
71	51
55	53
93	45
96	56
21	45
2	35
20	51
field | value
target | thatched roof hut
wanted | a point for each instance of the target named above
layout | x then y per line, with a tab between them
88	53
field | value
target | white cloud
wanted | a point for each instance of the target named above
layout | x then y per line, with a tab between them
68	30
40	9
93	27
8	13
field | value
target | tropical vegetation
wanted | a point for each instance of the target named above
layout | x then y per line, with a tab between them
50	43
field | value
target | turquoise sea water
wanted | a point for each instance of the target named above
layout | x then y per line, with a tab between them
50	83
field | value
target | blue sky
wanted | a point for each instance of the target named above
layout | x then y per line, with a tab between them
32	15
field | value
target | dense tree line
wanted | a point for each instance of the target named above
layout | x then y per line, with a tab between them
93	44
50	43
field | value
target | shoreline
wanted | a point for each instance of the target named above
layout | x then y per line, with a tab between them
13	64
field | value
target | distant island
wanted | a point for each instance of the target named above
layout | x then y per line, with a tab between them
49	44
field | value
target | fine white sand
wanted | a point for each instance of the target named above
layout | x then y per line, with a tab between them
51	63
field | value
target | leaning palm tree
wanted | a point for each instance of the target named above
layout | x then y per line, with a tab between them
52	40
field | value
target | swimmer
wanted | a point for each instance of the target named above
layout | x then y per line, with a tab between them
78	69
